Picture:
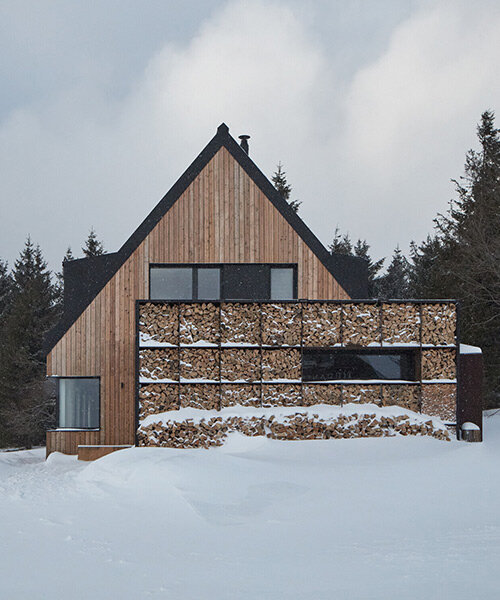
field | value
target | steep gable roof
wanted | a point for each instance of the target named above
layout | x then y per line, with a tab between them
349	272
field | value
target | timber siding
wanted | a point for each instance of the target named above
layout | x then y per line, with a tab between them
221	217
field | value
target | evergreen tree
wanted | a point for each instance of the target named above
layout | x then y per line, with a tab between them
93	246
283	187
361	250
24	409
341	244
5	290
59	285
395	283
470	235
426	269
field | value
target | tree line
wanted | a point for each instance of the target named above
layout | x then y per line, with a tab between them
30	305
460	259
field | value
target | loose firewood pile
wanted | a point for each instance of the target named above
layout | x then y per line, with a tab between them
242	395
240	324
299	426
200	363
240	364
199	323
281	363
161	363
438	363
439	324
159	322
321	324
439	400
360	324
281	324
400	323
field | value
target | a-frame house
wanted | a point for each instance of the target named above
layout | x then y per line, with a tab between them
223	211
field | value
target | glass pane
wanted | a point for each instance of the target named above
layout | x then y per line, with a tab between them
282	283
171	283
208	284
79	403
321	365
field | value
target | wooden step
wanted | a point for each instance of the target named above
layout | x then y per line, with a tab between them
95	452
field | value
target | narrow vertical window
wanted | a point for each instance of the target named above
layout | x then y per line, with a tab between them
208	283
282	287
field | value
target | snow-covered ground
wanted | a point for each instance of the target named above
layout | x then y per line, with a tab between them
256	519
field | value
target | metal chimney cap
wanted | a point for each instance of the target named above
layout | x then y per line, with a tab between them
244	142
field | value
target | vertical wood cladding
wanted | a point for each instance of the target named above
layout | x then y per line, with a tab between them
222	217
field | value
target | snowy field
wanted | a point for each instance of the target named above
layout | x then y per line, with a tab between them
260	519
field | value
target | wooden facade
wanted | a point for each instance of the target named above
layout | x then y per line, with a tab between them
222	216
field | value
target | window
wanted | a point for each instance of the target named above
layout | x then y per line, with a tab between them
282	283
341	364
78	402
223	282
171	283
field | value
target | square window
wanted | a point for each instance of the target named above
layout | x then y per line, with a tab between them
171	283
78	402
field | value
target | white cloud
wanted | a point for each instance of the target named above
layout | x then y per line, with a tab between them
365	152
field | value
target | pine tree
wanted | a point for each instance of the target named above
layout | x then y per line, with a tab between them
470	235
341	244
361	250
395	283
5	290
283	187
59	285
25	411
93	246
427	277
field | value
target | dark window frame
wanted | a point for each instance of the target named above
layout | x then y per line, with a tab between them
196	266
412	352
58	378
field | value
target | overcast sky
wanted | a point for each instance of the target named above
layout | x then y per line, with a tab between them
370	106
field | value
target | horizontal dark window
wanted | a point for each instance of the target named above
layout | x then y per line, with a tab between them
78	402
330	365
223	282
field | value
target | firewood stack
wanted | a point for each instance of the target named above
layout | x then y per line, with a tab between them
361	393
209	367
281	363
299	426
439	323
205	396
438	363
407	396
200	363
156	398
159	363
159	322
360	324
199	323
321	324
281	394
281	324
242	395
439	400
240	324
400	323
241	364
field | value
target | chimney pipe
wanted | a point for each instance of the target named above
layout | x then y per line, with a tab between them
244	142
